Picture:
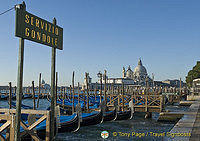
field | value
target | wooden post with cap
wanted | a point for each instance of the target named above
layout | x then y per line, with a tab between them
105	88
73	92
39	88
19	82
33	95
53	68
87	88
10	95
56	89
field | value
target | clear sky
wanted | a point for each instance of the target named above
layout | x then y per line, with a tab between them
106	34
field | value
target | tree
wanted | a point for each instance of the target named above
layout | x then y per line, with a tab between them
193	74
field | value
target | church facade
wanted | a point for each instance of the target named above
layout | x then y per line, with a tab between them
129	77
139	75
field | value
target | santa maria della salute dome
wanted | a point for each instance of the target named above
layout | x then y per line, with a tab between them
139	75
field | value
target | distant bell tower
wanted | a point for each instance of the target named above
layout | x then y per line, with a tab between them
124	73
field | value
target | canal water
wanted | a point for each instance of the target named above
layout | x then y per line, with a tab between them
138	128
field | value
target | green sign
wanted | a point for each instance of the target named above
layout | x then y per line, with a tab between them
31	27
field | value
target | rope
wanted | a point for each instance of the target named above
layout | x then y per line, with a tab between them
7	11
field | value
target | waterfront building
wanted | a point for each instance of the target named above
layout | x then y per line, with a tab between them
129	77
139	75
174	83
196	85
133	78
45	85
4	89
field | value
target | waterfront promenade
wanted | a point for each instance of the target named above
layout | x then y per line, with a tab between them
196	127
189	123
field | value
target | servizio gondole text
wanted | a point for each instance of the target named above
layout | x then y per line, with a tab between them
36	29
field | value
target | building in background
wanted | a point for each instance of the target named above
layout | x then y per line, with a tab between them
139	75
174	83
45	85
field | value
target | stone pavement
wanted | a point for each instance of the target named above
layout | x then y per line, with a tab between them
196	128
188	127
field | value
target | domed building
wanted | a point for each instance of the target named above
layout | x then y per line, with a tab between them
131	78
129	72
139	75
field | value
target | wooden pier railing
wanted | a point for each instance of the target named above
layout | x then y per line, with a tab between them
141	103
8	115
148	103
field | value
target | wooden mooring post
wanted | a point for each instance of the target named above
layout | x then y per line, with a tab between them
56	89
73	93
122	96
53	69
87	89
19	83
10	95
39	88
105	87
78	93
33	94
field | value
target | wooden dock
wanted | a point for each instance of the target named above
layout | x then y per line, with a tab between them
8	115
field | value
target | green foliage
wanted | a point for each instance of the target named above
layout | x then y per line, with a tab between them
193	74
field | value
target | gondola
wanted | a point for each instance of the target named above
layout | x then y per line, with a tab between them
124	115
67	105
23	116
92	118
68	123
3	97
110	115
65	124
26	96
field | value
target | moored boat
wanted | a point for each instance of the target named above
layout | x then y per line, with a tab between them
92	118
124	115
110	115
68	123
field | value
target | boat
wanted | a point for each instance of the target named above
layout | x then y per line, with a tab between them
3	97
93	118
68	123
67	105
110	115
13	104
65	124
23	116
26	96
124	115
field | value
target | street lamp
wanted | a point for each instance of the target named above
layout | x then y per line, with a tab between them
99	75
105	88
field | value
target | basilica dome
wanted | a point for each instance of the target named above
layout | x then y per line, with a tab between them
140	70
